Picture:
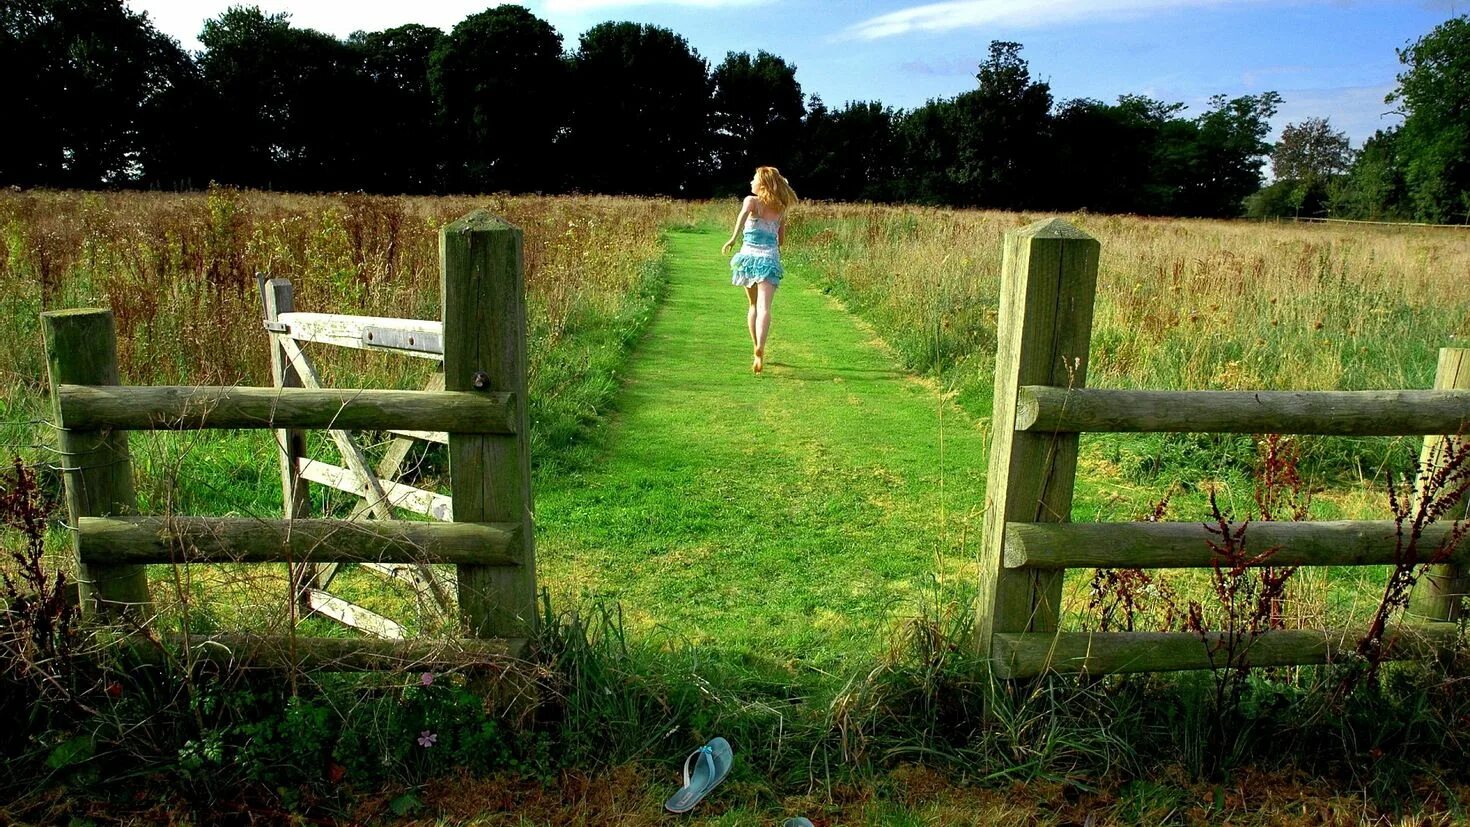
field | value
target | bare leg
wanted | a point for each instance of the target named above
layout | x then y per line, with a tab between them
765	293
750	293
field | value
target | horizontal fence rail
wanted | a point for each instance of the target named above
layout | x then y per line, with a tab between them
410	337
85	407
1046	409
1028	654
396	494
1145	545
322	654
248	540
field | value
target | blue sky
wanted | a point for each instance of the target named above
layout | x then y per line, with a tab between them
1330	58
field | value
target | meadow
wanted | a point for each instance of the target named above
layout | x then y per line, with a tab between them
853	613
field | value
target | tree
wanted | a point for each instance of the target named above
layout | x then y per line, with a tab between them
1107	158
929	138
1225	157
1308	157
289	104
1433	143
400	148
1374	188
757	114
81	78
1311	151
641	115
500	82
852	154
1003	129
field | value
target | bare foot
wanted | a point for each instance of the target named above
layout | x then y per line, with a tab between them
760	362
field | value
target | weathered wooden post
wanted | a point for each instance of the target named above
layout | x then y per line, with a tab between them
81	349
482	286
290	444
1438	594
1048	282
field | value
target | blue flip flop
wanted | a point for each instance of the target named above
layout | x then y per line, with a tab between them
797	821
703	769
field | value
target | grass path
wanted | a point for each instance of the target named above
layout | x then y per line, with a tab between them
788	517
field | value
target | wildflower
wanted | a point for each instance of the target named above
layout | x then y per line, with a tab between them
427	739
426	679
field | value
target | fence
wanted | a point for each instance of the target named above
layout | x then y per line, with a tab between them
1041	406
480	413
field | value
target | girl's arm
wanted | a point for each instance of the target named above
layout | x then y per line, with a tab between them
781	233
739	223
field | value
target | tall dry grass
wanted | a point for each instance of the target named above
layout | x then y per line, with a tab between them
1180	303
178	271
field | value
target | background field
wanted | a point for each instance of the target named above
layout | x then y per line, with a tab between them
1181	304
801	594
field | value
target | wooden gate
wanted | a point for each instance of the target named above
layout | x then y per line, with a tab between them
479	412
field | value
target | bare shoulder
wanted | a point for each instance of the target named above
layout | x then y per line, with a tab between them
750	202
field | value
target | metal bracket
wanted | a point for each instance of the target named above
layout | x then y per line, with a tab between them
276	327
414	340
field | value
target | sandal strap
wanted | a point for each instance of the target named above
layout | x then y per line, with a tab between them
704	752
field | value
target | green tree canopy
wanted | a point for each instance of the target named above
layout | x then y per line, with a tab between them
851	154
400	150
1434	142
500	82
84	79
757	115
289	103
1107	157
1226	154
1002	127
1311	151
1374	188
642	108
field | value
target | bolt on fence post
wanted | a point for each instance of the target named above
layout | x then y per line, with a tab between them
482	287
81	349
1048	283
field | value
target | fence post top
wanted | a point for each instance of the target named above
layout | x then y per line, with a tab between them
76	311
1051	228
480	221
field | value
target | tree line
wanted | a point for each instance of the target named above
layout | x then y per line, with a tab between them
98	97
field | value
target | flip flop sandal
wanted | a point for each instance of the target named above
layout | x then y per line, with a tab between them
797	821
703	769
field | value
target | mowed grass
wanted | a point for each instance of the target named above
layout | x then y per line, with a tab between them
788	516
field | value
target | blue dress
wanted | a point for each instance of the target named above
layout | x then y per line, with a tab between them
759	258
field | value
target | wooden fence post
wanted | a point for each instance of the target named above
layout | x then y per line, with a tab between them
482	287
1048	283
81	349
1438	594
290	444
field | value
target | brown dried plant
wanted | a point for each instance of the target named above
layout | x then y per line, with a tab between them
1118	597
1433	492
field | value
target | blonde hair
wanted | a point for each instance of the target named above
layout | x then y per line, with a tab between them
772	190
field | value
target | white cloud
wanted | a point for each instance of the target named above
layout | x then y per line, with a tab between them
964	14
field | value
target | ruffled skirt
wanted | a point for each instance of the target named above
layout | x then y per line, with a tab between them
748	268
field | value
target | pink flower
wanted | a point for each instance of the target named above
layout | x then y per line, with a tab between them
426	679
427	739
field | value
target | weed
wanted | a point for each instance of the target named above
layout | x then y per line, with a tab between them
1432	493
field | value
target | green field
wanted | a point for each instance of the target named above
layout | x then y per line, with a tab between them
787	558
